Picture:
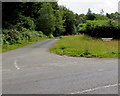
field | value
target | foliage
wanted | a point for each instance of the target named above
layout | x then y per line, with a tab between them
90	15
25	22
10	14
81	27
13	36
93	16
7	47
100	17
46	20
10	36
51	36
59	28
69	23
113	16
100	29
82	18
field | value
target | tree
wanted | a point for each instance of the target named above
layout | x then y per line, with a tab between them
69	23
90	15
46	20
82	18
113	16
100	17
102	12
59	28
11	11
78	20
89	11
61	7
107	15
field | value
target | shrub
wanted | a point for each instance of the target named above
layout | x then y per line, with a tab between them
1	40
51	36
10	36
25	22
101	29
81	28
14	36
41	34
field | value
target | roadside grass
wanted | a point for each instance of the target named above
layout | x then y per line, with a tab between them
85	46
5	48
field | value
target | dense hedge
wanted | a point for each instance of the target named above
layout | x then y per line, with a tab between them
101	29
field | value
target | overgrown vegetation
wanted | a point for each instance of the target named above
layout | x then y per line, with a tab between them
31	21
7	47
50	18
10	37
100	28
85	46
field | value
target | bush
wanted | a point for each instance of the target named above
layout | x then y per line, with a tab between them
25	22
41	34
14	36
101	29
10	36
81	28
1	40
51	36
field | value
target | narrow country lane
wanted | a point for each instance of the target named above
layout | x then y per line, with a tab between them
34	70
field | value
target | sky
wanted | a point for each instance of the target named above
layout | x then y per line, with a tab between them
81	6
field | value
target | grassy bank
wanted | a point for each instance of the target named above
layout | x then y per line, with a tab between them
85	46
6	48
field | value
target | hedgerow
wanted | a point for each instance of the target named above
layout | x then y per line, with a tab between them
101	29
13	36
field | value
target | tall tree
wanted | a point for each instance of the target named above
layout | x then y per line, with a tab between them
90	15
59	28
102	12
82	18
46	20
89	11
69	23
10	13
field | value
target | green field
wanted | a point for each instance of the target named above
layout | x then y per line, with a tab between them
84	46
6	48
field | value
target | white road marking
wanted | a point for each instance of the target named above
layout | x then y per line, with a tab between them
93	89
16	66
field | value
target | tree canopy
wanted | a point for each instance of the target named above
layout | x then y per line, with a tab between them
48	17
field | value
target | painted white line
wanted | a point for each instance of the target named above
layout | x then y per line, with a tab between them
16	66
93	89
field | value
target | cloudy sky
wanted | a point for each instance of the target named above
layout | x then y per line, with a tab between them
81	6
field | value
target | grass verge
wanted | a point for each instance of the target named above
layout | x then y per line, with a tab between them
84	46
5	48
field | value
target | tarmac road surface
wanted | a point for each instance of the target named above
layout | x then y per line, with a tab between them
34	70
